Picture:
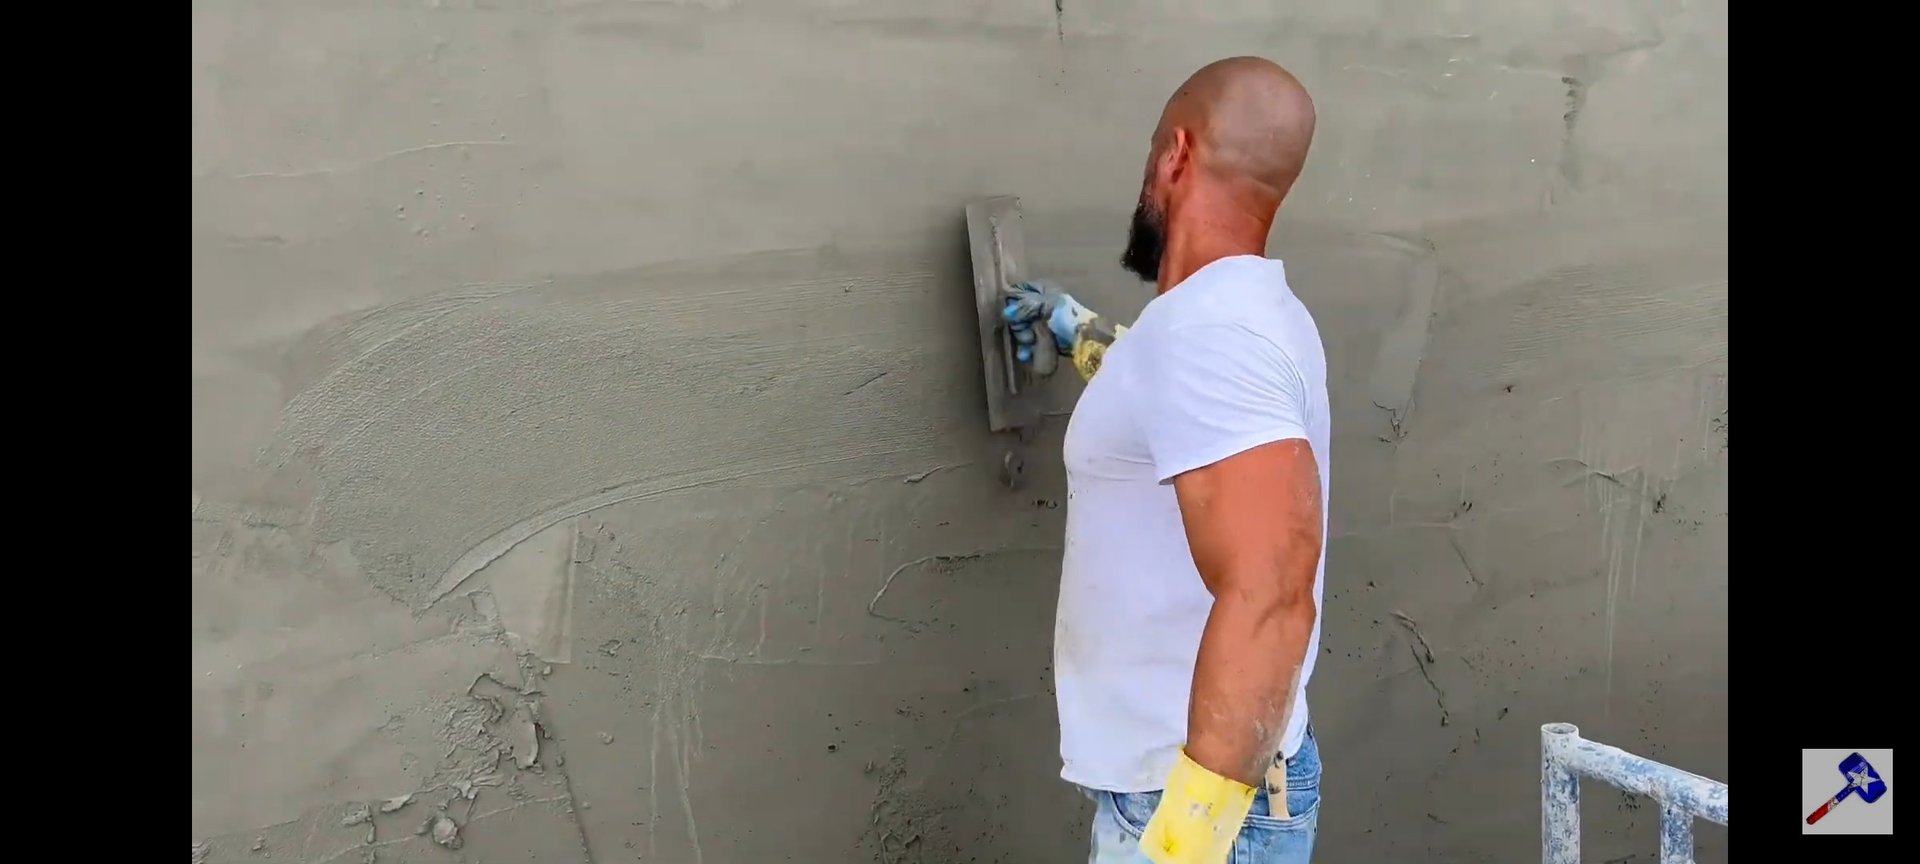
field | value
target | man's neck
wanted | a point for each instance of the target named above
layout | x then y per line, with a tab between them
1193	243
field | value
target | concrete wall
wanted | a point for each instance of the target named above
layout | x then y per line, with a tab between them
566	374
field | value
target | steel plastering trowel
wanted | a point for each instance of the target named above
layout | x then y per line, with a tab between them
1014	404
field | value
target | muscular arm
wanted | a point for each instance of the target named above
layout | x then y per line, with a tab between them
1254	525
1226	416
1226	424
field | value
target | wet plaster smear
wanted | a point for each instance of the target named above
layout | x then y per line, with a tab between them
567	376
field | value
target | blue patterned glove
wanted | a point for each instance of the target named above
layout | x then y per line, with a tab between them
1040	300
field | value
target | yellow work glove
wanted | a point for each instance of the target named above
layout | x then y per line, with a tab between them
1090	345
1199	816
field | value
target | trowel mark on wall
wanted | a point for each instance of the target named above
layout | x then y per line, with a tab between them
776	568
321	363
1634	445
341	167
949	560
1642	325
502	415
755	544
661	625
532	587
729	584
1403	346
681	725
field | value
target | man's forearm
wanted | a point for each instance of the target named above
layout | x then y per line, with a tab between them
1245	681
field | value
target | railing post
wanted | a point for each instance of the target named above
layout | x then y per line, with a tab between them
1676	835
1559	796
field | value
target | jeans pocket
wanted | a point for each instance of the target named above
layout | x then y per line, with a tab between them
1266	839
1131	810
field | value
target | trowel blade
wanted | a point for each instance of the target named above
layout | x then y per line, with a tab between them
998	247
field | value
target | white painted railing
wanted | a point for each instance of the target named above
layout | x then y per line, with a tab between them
1565	757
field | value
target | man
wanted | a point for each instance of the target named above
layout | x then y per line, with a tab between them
1197	479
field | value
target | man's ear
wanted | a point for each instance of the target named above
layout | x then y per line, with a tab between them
1179	157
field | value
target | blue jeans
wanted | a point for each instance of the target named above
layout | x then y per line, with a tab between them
1120	817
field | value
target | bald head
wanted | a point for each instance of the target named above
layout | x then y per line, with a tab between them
1230	143
1250	122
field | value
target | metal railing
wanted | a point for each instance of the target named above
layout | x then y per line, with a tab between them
1565	757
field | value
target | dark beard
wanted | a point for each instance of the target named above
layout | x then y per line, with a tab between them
1146	243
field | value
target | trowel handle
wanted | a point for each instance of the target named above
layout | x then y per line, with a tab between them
1045	358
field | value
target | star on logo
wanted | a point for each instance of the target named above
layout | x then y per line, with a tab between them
1860	779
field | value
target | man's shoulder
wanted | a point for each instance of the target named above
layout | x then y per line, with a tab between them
1241	290
1257	327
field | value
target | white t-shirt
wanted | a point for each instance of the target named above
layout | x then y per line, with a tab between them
1226	361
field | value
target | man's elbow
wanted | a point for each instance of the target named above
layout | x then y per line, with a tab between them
1283	600
1295	606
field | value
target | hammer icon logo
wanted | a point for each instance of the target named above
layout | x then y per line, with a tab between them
1862	782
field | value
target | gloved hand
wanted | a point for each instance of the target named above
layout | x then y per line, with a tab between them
1039	301
1074	329
1199	816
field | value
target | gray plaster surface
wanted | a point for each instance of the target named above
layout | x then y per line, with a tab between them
566	376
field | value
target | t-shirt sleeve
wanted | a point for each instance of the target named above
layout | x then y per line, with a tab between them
1214	391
